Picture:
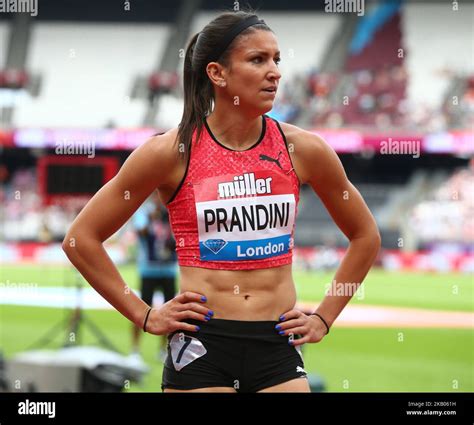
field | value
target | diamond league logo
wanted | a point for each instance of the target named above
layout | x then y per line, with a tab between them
215	245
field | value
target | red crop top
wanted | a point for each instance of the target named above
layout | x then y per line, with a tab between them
236	210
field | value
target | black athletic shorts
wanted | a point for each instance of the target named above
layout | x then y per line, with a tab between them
164	284
247	356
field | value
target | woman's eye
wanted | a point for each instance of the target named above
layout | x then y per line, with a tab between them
258	59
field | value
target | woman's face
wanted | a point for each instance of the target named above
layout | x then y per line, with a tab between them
254	68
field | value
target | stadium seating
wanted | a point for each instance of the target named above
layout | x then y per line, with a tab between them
88	72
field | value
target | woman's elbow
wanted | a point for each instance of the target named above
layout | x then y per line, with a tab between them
377	240
370	238
373	235
69	245
74	240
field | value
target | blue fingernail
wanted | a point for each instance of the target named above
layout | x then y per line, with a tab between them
282	332
278	327
207	318
203	298
282	318
211	313
198	328
290	342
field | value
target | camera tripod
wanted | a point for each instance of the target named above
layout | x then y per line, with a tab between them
73	323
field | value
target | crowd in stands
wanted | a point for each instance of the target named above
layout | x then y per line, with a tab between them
448	214
23	215
374	99
460	112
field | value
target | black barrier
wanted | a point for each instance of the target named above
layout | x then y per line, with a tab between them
380	408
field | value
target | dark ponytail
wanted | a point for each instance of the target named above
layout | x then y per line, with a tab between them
198	89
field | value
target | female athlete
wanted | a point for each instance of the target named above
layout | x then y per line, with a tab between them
230	178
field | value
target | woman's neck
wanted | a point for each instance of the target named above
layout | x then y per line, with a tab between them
235	130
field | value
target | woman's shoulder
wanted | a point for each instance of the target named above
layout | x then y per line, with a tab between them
306	147
165	139
162	144
157	156
310	153
313	157
300	137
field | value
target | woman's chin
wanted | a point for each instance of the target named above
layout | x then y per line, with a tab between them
268	107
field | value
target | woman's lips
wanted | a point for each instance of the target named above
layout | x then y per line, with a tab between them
269	93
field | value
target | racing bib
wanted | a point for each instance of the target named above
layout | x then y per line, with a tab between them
248	216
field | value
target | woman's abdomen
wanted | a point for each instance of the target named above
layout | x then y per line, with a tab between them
244	294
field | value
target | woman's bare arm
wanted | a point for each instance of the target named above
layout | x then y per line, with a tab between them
146	169
105	213
318	165
326	175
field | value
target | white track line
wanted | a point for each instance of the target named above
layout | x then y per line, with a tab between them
351	316
385	316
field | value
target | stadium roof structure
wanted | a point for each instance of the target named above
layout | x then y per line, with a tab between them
149	11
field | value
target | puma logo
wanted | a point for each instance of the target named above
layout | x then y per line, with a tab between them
300	369
268	158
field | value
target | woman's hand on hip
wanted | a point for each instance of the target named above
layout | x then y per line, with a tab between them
171	315
293	322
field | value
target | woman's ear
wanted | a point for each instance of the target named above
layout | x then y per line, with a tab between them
215	73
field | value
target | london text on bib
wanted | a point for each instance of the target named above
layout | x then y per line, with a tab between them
249	216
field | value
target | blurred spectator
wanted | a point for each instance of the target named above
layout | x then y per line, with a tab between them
157	261
449	213
369	98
